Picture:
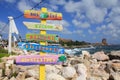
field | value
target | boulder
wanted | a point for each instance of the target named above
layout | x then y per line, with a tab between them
33	73
51	69
85	55
115	76
81	70
13	78
100	73
116	66
2	65
21	76
6	78
68	72
54	76
100	56
1	73
31	78
114	55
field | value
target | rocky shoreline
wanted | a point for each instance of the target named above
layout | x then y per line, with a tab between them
97	66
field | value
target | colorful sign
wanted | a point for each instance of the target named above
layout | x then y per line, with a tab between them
40	37
42	15
54	49
32	25
37	59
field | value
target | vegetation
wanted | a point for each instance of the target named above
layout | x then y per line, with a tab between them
74	43
4	53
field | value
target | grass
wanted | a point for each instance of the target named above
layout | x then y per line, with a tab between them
4	53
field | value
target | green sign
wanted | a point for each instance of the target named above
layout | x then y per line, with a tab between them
32	25
40	37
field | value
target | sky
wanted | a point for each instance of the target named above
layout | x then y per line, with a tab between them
83	20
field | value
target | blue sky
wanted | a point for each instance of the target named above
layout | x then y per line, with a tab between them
83	20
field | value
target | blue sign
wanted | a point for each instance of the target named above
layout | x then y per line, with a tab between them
37	47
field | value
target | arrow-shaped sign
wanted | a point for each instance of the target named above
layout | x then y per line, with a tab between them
40	37
32	25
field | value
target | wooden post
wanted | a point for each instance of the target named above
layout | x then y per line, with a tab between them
42	74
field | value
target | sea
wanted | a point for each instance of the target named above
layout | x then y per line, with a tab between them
92	50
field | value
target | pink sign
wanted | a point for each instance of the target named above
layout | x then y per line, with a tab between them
37	59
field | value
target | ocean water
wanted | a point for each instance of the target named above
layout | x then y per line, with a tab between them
106	49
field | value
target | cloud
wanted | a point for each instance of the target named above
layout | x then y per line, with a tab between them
66	31
11	1
3	28
57	2
90	31
80	24
72	6
23	5
106	3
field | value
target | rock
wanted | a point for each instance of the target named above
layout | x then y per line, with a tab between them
81	69
1	73
95	78
116	66
86	55
100	73
13	78
100	56
68	72
115	76
54	76
81	77
21	76
114	55
2	65
6	78
33	73
4	59
8	72
31	78
51	69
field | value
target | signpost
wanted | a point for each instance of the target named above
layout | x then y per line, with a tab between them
43	37
32	25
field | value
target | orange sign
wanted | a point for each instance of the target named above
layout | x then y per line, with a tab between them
39	15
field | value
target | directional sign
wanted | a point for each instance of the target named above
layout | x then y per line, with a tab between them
37	59
40	15
40	37
54	49
32	25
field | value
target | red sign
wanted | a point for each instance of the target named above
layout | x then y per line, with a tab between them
39	15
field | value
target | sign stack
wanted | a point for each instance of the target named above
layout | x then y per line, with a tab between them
54	56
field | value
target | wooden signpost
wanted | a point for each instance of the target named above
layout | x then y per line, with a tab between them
32	25
43	37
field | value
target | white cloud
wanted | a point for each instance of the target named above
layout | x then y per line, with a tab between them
72	6
3	28
90	31
23	5
77	32
10	1
66	31
106	3
65	23
80	24
57	2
